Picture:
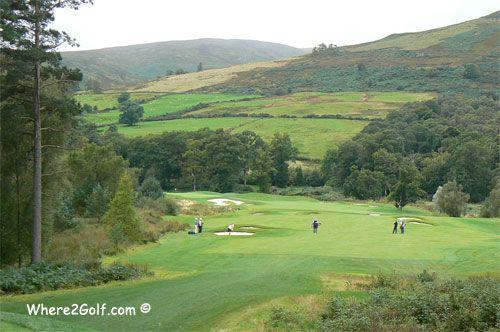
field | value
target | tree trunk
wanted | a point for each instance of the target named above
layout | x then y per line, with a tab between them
36	255
18	203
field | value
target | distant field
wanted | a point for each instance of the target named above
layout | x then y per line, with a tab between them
355	104
166	104
205	78
109	100
313	137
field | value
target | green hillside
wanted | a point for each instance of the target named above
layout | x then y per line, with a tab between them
118	66
434	60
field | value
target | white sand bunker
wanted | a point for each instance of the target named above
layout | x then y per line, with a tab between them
248	227
257	214
374	214
416	221
224	201
233	233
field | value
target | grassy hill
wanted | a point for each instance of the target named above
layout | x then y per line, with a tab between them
431	60
314	121
208	282
118	66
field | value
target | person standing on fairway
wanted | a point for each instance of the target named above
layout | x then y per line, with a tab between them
395	229
403	227
196	225
200	225
315	225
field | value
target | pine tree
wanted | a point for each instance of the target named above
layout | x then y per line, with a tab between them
121	214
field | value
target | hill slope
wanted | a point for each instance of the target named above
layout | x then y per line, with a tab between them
112	67
432	60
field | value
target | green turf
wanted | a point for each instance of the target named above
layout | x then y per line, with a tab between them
313	137
167	104
354	104
219	277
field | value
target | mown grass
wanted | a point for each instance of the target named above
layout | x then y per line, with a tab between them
164	105
221	278
313	137
352	104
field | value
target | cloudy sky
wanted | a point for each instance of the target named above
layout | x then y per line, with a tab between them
300	23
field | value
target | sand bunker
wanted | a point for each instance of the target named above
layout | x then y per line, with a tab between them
375	214
233	233
257	214
248	227
416	221
224	201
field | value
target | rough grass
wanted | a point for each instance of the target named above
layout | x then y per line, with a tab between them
420	40
193	81
313	137
220	278
353	104
167	104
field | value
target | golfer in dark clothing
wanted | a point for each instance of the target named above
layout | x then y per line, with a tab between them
315	226
395	229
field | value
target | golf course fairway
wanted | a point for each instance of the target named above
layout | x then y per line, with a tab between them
208	282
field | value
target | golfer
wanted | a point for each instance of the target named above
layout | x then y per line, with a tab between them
315	225
200	225
395	229
196	225
230	228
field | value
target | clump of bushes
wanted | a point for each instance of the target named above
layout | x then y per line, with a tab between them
286	319
85	245
422	302
325	193
50	276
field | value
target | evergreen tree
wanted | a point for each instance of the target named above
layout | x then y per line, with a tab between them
30	68
121	215
97	203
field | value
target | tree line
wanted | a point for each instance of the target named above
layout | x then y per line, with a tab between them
416	150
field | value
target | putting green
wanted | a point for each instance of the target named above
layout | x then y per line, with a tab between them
203	279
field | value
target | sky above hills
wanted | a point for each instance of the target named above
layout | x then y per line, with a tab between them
298	23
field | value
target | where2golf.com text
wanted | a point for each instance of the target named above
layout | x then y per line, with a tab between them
84	309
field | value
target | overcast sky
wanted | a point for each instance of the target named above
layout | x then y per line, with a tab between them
299	23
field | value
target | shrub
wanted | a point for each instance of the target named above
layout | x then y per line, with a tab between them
491	207
48	276
166	206
241	188
80	246
151	188
451	200
422	302
285	318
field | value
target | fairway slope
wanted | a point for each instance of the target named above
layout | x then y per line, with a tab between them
219	275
